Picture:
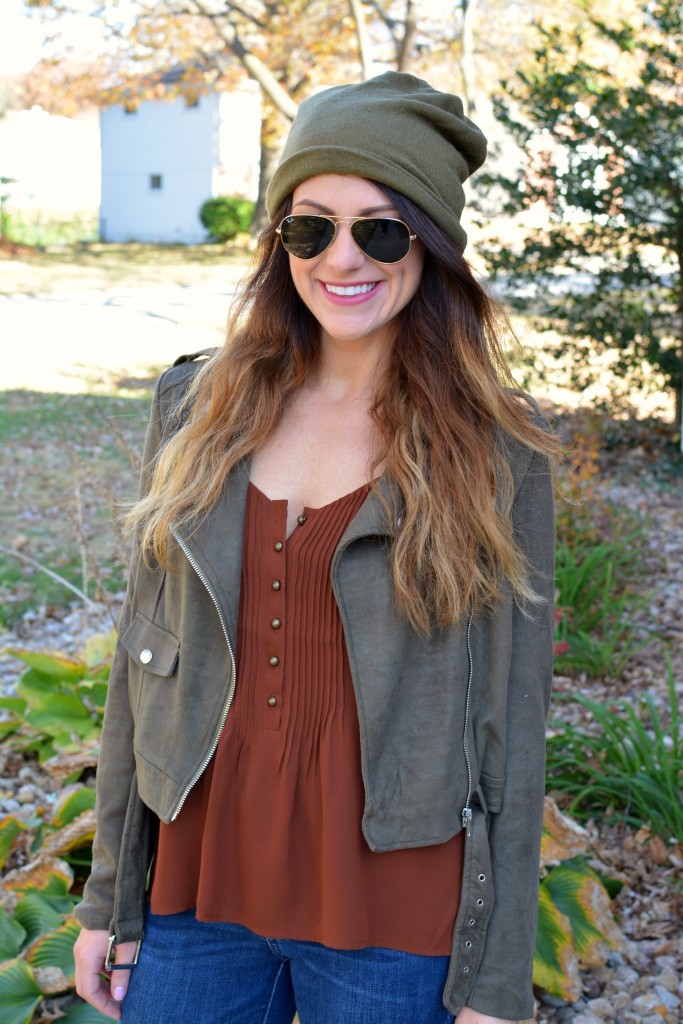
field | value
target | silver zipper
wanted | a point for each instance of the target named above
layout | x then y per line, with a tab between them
467	810
202	768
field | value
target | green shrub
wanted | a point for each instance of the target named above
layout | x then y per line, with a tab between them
226	216
627	768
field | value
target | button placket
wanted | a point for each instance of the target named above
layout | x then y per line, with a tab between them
273	635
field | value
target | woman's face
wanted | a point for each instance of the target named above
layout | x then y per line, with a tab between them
353	298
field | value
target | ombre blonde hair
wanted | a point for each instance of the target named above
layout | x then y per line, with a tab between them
443	411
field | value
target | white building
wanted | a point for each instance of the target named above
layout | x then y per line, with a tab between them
162	159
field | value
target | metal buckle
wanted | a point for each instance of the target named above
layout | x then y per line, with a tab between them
109	964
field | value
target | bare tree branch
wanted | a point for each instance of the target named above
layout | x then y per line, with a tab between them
227	31
405	48
48	572
390	23
362	36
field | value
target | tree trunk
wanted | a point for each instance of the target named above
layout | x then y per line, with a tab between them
405	50
273	130
362	36
467	63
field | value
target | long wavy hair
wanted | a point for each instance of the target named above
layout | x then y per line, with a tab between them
443	410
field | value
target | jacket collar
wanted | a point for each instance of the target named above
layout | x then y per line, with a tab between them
215	543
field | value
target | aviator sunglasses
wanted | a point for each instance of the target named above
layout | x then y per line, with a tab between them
382	239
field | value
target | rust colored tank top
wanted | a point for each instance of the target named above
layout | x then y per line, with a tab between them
270	836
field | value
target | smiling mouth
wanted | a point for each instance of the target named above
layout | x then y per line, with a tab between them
350	289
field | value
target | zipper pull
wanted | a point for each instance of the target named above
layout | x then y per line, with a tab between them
467	821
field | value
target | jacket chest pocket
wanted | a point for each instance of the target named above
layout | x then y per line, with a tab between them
152	648
154	654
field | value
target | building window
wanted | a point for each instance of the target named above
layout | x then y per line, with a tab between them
156	182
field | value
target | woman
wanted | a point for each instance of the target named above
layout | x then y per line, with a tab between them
325	721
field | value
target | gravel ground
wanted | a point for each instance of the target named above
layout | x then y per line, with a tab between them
641	981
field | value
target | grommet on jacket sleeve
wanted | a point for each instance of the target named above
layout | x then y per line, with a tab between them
146	656
480	903
481	878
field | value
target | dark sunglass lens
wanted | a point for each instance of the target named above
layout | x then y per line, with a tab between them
306	237
386	241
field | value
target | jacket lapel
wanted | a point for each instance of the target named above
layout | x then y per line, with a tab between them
216	544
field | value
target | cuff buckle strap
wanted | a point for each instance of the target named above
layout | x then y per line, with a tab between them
109	964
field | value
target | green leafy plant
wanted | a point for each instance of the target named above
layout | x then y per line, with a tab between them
226	216
626	764
59	701
599	606
576	925
37	936
58	714
596	113
598	559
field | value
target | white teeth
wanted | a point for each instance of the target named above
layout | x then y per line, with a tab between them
350	289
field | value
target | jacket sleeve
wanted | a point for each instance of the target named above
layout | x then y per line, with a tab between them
116	765
503	983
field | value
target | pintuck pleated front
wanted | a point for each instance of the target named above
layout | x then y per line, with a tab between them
270	836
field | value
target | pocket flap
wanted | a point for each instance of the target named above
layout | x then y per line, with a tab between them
154	649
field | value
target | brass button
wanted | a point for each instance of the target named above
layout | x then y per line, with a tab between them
146	656
274	660
276	623
272	701
276	584
301	520
278	545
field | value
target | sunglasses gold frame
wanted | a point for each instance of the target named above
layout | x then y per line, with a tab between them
335	221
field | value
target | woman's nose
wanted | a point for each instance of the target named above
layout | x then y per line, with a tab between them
343	253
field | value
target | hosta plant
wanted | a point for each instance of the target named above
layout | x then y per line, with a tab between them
37	926
576	925
59	701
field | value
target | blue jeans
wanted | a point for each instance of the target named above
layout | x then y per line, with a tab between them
193	972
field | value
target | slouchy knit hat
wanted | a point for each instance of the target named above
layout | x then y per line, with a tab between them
394	129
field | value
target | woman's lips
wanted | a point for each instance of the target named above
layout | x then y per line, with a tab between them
349	294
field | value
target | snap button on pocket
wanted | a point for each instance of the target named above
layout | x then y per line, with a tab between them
152	647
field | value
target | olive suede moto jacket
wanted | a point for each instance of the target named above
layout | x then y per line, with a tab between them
452	725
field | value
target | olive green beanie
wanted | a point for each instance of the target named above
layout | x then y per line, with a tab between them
394	129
